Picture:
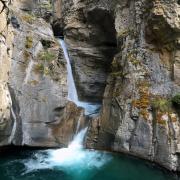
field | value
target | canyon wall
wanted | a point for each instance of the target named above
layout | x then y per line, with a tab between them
125	54
6	123
130	48
34	106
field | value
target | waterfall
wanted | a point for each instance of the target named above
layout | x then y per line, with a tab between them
74	159
72	92
14	126
90	108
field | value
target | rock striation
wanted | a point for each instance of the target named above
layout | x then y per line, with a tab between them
130	48
125	54
6	35
34	106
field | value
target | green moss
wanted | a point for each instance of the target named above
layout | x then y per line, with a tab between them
163	107
46	71
131	57
46	5
29	18
123	33
26	55
115	65
29	42
161	104
46	56
176	100
126	32
39	68
119	74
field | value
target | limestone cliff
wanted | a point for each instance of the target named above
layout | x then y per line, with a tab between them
125	54
34	106
132	49
6	123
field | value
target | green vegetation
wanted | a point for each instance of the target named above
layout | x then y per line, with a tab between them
39	68
46	43
131	57
161	104
29	18
115	65
176	100
46	71
123	33
29	42
119	74
163	110
26	55
28	45
46	5
46	56
126	32
45	60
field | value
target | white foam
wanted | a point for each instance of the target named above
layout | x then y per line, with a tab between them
74	159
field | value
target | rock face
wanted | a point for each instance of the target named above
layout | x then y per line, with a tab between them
91	38
34	107
124	53
6	123
132	49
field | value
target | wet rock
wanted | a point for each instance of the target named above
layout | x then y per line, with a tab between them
91	39
144	71
34	106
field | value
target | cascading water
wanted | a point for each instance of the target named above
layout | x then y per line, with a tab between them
72	92
90	108
74	159
77	162
74	162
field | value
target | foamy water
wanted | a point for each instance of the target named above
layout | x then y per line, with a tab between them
74	159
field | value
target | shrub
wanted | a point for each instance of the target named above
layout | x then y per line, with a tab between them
26	55
29	18
47	6
46	56
161	104
29	42
39	68
46	43
176	100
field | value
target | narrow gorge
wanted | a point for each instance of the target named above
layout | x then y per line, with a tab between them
90	89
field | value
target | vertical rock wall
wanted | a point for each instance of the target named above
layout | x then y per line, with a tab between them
140	77
137	116
6	123
34	110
